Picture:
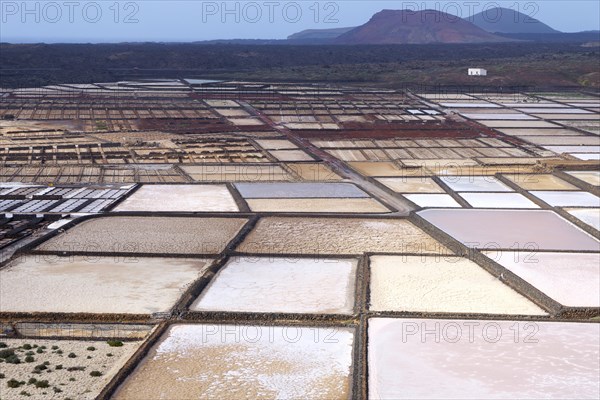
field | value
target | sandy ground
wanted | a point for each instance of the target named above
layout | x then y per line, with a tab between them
222	103
528	230
470	359
83	331
96	284
24	125
540	182
299	190
245	121
282	285
276	144
291	155
179	198
572	279
244	362
470	171
148	235
236	173
441	284
317	205
337	236
83	386
591	177
458	164
377	168
232	113
412	185
503	161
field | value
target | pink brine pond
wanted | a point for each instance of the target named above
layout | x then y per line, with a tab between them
511	229
471	359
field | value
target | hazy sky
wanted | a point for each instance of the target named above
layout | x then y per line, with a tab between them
164	20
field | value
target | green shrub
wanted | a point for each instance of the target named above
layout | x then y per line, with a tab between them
42	384
13	383
109	354
57	390
13	360
72	355
54	347
24	393
91	348
31	381
2	376
72	379
39	350
59	366
76	369
6	353
115	343
27	346
95	373
3	345
29	353
29	359
59	351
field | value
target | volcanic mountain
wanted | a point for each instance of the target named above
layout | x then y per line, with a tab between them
505	20
416	27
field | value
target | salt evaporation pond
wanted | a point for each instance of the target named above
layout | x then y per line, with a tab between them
284	285
243	362
121	285
479	359
156	235
441	284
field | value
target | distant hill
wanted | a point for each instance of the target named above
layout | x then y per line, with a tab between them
571	37
319	34
416	27
505	20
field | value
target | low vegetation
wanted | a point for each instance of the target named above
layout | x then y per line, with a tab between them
523	63
50	373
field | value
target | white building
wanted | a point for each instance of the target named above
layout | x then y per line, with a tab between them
477	72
